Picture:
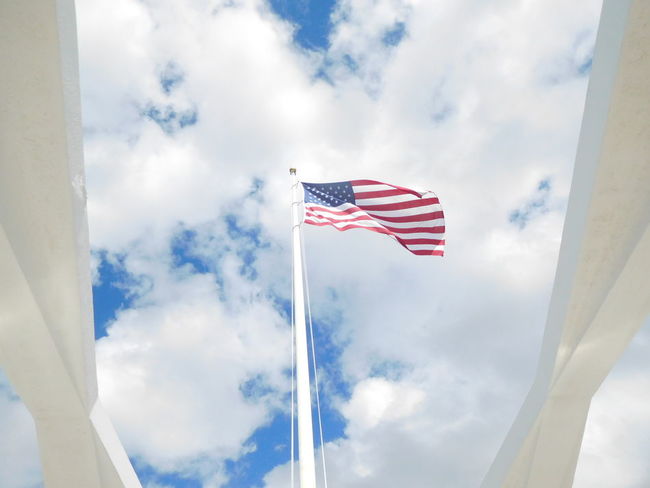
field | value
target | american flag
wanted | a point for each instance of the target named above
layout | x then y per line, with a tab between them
412	218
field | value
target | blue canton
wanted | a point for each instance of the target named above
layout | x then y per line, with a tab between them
329	194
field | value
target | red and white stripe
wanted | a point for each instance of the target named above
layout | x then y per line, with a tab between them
412	218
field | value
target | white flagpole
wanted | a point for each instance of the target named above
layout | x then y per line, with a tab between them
305	426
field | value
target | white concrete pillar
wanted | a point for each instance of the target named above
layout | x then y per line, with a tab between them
46	320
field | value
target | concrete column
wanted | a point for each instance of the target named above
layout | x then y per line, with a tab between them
46	320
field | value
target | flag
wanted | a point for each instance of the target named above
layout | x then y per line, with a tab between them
412	218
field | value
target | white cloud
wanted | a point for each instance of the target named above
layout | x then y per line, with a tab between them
377	400
412	432
186	377
462	105
19	463
617	435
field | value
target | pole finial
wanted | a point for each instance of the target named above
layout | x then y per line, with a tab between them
292	171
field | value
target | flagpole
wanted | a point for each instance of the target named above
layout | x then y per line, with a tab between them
305	426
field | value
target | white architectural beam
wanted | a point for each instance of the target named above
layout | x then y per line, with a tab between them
46	320
601	295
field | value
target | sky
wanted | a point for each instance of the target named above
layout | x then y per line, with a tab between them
193	113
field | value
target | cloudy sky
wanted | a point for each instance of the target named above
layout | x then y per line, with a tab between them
194	111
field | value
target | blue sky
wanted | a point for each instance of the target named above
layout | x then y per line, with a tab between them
113	293
230	243
312	20
194	111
